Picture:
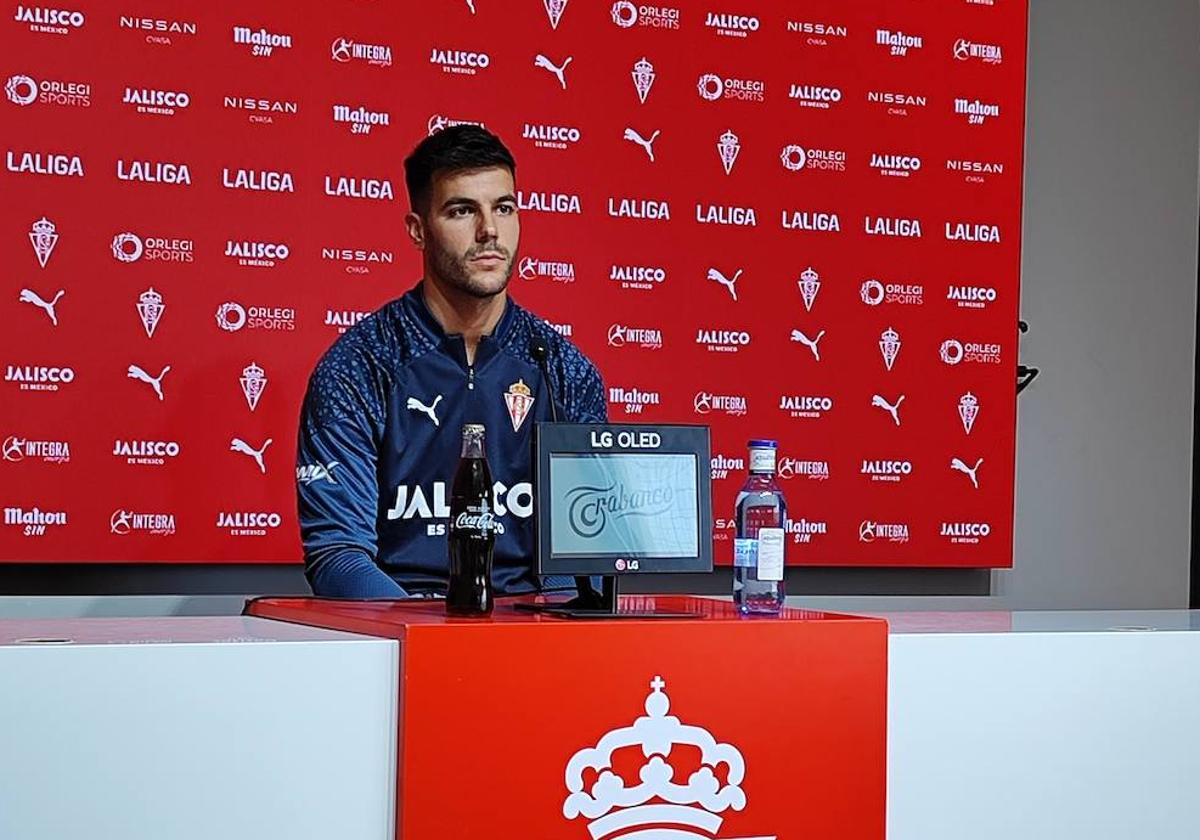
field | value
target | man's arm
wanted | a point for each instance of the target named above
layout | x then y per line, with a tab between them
337	493
586	402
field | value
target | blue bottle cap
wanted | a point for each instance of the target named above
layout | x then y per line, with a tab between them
764	444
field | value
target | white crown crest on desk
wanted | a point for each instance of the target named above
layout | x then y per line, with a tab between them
644	810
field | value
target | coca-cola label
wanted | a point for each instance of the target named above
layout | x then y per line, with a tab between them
477	518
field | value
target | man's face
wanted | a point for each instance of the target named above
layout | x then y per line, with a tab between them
471	231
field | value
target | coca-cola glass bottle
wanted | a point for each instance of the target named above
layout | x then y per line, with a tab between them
472	536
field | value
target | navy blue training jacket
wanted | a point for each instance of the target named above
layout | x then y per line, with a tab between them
381	433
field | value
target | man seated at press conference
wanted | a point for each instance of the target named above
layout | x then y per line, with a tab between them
380	428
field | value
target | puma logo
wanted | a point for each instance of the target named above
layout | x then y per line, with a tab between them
634	137
154	382
894	410
30	296
547	64
239	445
969	472
727	282
810	343
415	404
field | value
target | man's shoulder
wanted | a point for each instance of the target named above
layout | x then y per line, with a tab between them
561	351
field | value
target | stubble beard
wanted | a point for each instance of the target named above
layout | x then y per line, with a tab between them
455	272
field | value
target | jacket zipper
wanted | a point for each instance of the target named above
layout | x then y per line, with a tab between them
471	377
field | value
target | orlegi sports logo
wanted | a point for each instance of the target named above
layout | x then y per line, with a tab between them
972	297
17	449
360	119
128	247
642	209
796	158
812	221
632	400
161	32
955	352
815	96
25	90
549	202
248	523
722	341
733	405
898	43
546	136
44	163
805	407
39	377
349	51
973	232
257	254
721	466
976	111
257	180
557	271
645	338
893	471
344	319
789	468
965	533
869	531
154	172
874	292
262	111
975	171
415	502
803	530
894	226
145	453
126	522
348	186
818	33
627	15
164	103
233	317
643	277
897	103
731	25
262	43
895	166
34	522
713	87
357	260
461	62
50	20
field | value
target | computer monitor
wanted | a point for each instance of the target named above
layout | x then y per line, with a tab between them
620	499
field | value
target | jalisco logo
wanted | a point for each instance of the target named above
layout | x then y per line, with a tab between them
627	15
16	449
34	522
975	171
357	260
125	522
815	96
965	50
721	466
732	26
51	21
257	254
591	508
346	50
150	453
262	43
790	468
637	276
723	341
796	158
817	34
611	805
39	377
873	293
154	172
620	335
814	221
884	470
802	530
24	90
44	163
896	166
965	533
261	111
344	319
546	136
972	232
246	523
346	186
150	309
531	268
361	120
232	316
166	103
632	400
460	61
971	297
955	352
159	30
417	503
898	43
647	209
870	531
543	202
712	87
130	247
706	402
805	406
975	111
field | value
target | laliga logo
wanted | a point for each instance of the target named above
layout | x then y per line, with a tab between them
692	808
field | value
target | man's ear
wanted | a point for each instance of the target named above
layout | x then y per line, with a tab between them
416	230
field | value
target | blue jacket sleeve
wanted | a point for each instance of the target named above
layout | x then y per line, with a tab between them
336	486
585	397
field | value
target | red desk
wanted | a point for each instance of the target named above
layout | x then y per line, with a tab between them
519	727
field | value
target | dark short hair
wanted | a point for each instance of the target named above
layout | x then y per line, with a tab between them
453	149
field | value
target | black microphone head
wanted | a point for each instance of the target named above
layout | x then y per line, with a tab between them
537	349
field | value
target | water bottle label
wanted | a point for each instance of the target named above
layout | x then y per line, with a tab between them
762	460
745	553
770	554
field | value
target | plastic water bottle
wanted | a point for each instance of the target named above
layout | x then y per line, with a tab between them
758	561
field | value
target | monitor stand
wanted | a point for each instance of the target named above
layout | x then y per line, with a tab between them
602	605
